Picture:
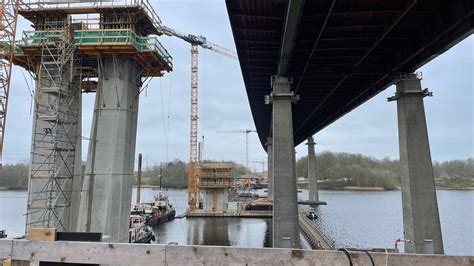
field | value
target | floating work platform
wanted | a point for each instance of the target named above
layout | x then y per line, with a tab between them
229	213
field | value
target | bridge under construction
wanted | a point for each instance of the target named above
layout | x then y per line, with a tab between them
304	63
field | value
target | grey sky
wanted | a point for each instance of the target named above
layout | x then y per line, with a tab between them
370	129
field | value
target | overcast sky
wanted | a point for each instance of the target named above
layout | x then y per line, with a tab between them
163	127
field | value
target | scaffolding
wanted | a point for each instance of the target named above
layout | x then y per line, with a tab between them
215	175
8	18
214	183
64	54
55	127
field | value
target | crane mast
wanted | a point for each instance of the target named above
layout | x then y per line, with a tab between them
194	104
193	172
194	152
8	17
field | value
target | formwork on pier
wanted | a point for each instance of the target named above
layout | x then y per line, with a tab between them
214	182
96	30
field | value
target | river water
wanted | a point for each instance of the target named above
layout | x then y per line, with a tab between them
351	218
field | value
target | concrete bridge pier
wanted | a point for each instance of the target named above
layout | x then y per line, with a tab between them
312	181
107	186
270	166
420	208
286	232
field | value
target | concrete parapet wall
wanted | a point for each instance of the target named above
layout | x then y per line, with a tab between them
145	254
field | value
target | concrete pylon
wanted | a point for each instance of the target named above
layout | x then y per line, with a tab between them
286	233
78	174
312	181
270	166
420	208
109	176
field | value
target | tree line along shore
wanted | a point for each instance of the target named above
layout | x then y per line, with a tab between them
335	171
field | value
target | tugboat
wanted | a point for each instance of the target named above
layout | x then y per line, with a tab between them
161	210
157	212
139	231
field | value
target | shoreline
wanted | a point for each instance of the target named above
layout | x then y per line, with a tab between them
12	189
347	188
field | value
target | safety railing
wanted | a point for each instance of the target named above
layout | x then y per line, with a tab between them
28	5
212	184
40	37
125	37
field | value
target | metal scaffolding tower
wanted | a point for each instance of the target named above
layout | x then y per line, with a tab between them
8	18
54	130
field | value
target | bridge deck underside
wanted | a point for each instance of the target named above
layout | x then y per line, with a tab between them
344	52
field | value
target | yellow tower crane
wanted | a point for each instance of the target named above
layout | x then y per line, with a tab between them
193	169
9	18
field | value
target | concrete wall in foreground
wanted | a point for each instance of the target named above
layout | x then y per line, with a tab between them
144	254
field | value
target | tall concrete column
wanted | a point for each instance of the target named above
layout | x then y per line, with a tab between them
420	208
270	166
78	174
109	176
286	232
313	184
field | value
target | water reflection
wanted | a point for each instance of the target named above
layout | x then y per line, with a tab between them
354	219
216	232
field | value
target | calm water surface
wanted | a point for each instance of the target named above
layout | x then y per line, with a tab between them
352	219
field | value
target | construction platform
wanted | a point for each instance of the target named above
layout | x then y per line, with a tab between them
229	213
92	31
148	52
146	18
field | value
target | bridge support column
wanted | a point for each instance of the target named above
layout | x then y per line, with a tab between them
270	166
312	181
420	208
286	233
107	186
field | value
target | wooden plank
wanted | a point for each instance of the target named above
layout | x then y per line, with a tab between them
42	234
20	263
